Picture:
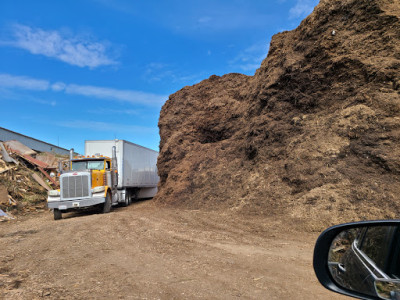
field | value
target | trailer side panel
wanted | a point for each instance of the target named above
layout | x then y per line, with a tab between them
137	165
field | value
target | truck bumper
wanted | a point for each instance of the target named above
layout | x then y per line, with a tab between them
76	203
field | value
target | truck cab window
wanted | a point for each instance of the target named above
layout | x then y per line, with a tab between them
107	165
78	166
96	165
87	165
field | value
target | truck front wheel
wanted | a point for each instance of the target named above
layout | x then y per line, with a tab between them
57	214
107	204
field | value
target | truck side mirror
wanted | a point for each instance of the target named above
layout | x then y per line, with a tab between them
360	259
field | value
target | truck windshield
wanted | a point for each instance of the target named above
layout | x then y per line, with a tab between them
87	165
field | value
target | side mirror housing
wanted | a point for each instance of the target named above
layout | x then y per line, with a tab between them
346	259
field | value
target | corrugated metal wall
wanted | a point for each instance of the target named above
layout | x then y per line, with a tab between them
37	145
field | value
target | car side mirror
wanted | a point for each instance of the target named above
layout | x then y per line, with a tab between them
360	259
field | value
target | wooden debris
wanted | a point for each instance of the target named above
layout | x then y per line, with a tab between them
3	195
23	189
48	158
3	170
18	147
40	181
48	176
5	155
33	161
11	201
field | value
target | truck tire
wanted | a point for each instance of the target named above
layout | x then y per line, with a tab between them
57	214
127	199
107	205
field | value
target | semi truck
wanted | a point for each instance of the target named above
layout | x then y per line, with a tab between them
111	172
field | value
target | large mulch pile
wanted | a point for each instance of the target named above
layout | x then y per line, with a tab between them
313	136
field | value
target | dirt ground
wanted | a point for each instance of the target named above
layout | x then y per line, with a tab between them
147	252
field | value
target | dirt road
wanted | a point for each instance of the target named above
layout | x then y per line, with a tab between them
148	252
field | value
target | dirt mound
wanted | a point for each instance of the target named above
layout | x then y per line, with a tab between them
314	135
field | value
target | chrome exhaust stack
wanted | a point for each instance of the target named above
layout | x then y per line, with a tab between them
60	167
114	167
114	158
71	153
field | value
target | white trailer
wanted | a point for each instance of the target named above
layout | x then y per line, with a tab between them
136	165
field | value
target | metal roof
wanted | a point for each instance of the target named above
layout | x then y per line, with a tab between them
35	144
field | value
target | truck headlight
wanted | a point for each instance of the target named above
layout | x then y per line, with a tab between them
98	189
53	193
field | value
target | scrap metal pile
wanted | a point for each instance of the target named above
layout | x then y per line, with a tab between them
25	178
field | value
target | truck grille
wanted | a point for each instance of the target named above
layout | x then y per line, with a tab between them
76	186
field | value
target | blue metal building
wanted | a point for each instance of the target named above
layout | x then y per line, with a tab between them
37	145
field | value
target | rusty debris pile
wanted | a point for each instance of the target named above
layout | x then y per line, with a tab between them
313	136
25	178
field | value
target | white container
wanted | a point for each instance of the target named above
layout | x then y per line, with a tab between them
137	165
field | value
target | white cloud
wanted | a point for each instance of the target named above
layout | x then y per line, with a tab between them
114	94
222	20
45	102
159	71
22	82
58	86
302	8
250	58
75	51
108	111
108	127
8	81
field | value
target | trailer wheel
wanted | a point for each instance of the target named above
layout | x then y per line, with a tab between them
57	214
107	204
127	200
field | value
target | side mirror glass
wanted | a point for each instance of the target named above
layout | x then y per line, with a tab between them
388	288
361	259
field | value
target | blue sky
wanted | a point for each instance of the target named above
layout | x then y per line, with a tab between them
101	69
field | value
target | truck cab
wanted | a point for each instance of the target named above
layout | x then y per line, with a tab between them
90	181
97	165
